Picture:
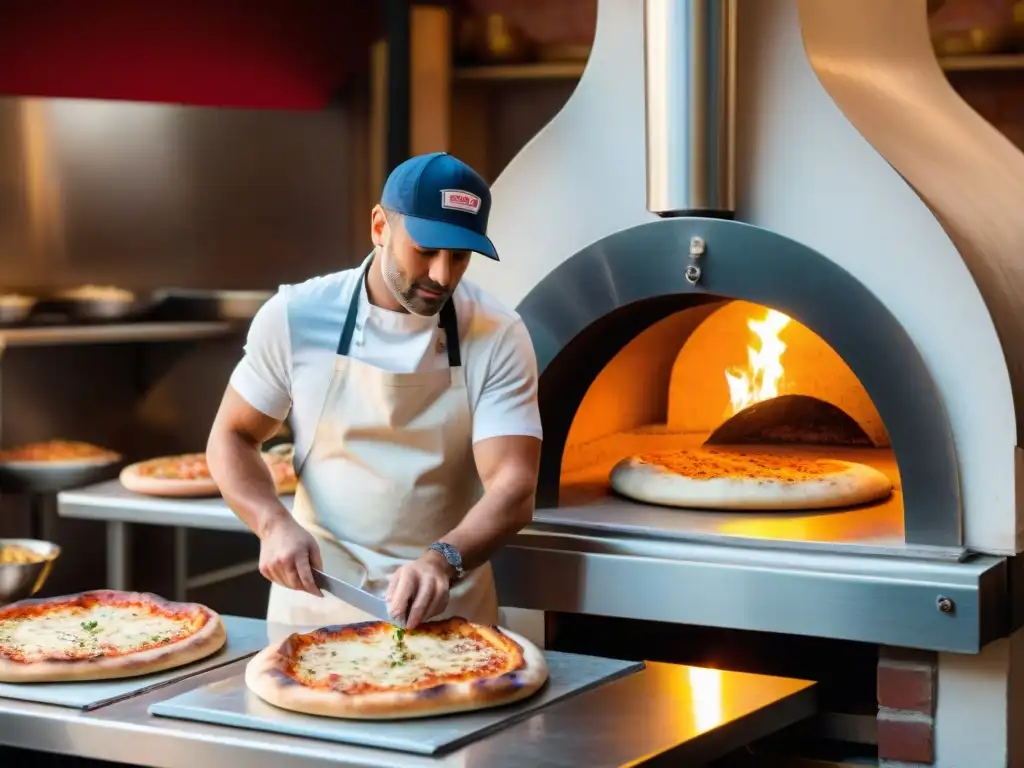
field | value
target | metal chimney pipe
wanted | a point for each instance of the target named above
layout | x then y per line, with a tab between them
690	88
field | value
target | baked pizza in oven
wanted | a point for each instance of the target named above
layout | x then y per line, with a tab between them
713	478
102	635
374	670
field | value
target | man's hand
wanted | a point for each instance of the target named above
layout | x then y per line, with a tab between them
419	590
287	553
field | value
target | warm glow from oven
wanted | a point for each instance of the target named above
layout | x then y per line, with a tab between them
763	375
706	690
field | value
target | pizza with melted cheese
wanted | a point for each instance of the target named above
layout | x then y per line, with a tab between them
374	670
58	452
712	478
102	635
185	474
188	475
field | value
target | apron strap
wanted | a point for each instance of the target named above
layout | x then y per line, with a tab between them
449	322
345	341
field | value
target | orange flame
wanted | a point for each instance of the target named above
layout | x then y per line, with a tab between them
762	378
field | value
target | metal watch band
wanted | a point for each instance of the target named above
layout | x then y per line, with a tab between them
451	554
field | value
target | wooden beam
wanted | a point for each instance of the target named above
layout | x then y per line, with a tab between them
430	78
378	129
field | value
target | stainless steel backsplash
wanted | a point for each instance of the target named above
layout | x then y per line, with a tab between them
151	195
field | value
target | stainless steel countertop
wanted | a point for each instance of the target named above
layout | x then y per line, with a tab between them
708	581
685	714
866	532
109	333
110	502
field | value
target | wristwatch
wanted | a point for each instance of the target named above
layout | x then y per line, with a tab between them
451	554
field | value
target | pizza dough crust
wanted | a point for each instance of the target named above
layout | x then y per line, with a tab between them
165	486
704	478
265	676
209	639
132	478
281	462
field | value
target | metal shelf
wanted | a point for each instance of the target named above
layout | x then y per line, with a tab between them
1002	61
572	70
561	70
111	334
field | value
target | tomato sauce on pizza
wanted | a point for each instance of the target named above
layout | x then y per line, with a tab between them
187	466
377	656
377	670
57	451
103	634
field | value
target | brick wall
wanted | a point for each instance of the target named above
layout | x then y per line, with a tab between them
906	706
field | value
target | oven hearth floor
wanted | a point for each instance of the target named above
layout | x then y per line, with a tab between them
588	503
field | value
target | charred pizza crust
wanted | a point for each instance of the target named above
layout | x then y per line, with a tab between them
373	671
102	635
705	478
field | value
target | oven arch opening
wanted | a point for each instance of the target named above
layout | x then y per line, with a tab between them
596	303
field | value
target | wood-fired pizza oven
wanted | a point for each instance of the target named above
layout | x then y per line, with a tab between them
729	175
707	181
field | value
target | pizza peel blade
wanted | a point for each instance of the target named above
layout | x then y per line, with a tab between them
354	596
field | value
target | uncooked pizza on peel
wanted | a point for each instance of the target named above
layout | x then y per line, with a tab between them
102	635
377	671
738	479
188	475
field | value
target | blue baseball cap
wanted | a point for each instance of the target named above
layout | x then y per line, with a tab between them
444	202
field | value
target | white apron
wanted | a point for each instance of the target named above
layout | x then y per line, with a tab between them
389	472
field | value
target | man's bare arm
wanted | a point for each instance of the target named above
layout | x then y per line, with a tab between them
287	551
233	454
508	467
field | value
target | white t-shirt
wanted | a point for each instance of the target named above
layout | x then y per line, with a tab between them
293	339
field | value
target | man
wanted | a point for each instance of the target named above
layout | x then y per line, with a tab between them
413	401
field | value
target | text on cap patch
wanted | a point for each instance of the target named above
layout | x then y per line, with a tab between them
459	200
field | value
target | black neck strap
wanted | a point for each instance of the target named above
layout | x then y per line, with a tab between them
448	320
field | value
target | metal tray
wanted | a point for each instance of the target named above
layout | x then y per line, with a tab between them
229	702
245	638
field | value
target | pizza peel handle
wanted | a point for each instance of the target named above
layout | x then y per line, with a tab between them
354	596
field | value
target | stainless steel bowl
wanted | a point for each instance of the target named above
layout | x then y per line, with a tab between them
21	580
16	312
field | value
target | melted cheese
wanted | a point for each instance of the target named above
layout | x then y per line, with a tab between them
378	660
87	632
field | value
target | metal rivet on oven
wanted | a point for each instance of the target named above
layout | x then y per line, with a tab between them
696	246
692	274
945	604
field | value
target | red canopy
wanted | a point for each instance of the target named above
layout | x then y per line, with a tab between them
235	53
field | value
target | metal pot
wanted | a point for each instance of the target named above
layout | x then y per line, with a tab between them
186	304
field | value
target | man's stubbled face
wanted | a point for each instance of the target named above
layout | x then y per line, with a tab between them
421	280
